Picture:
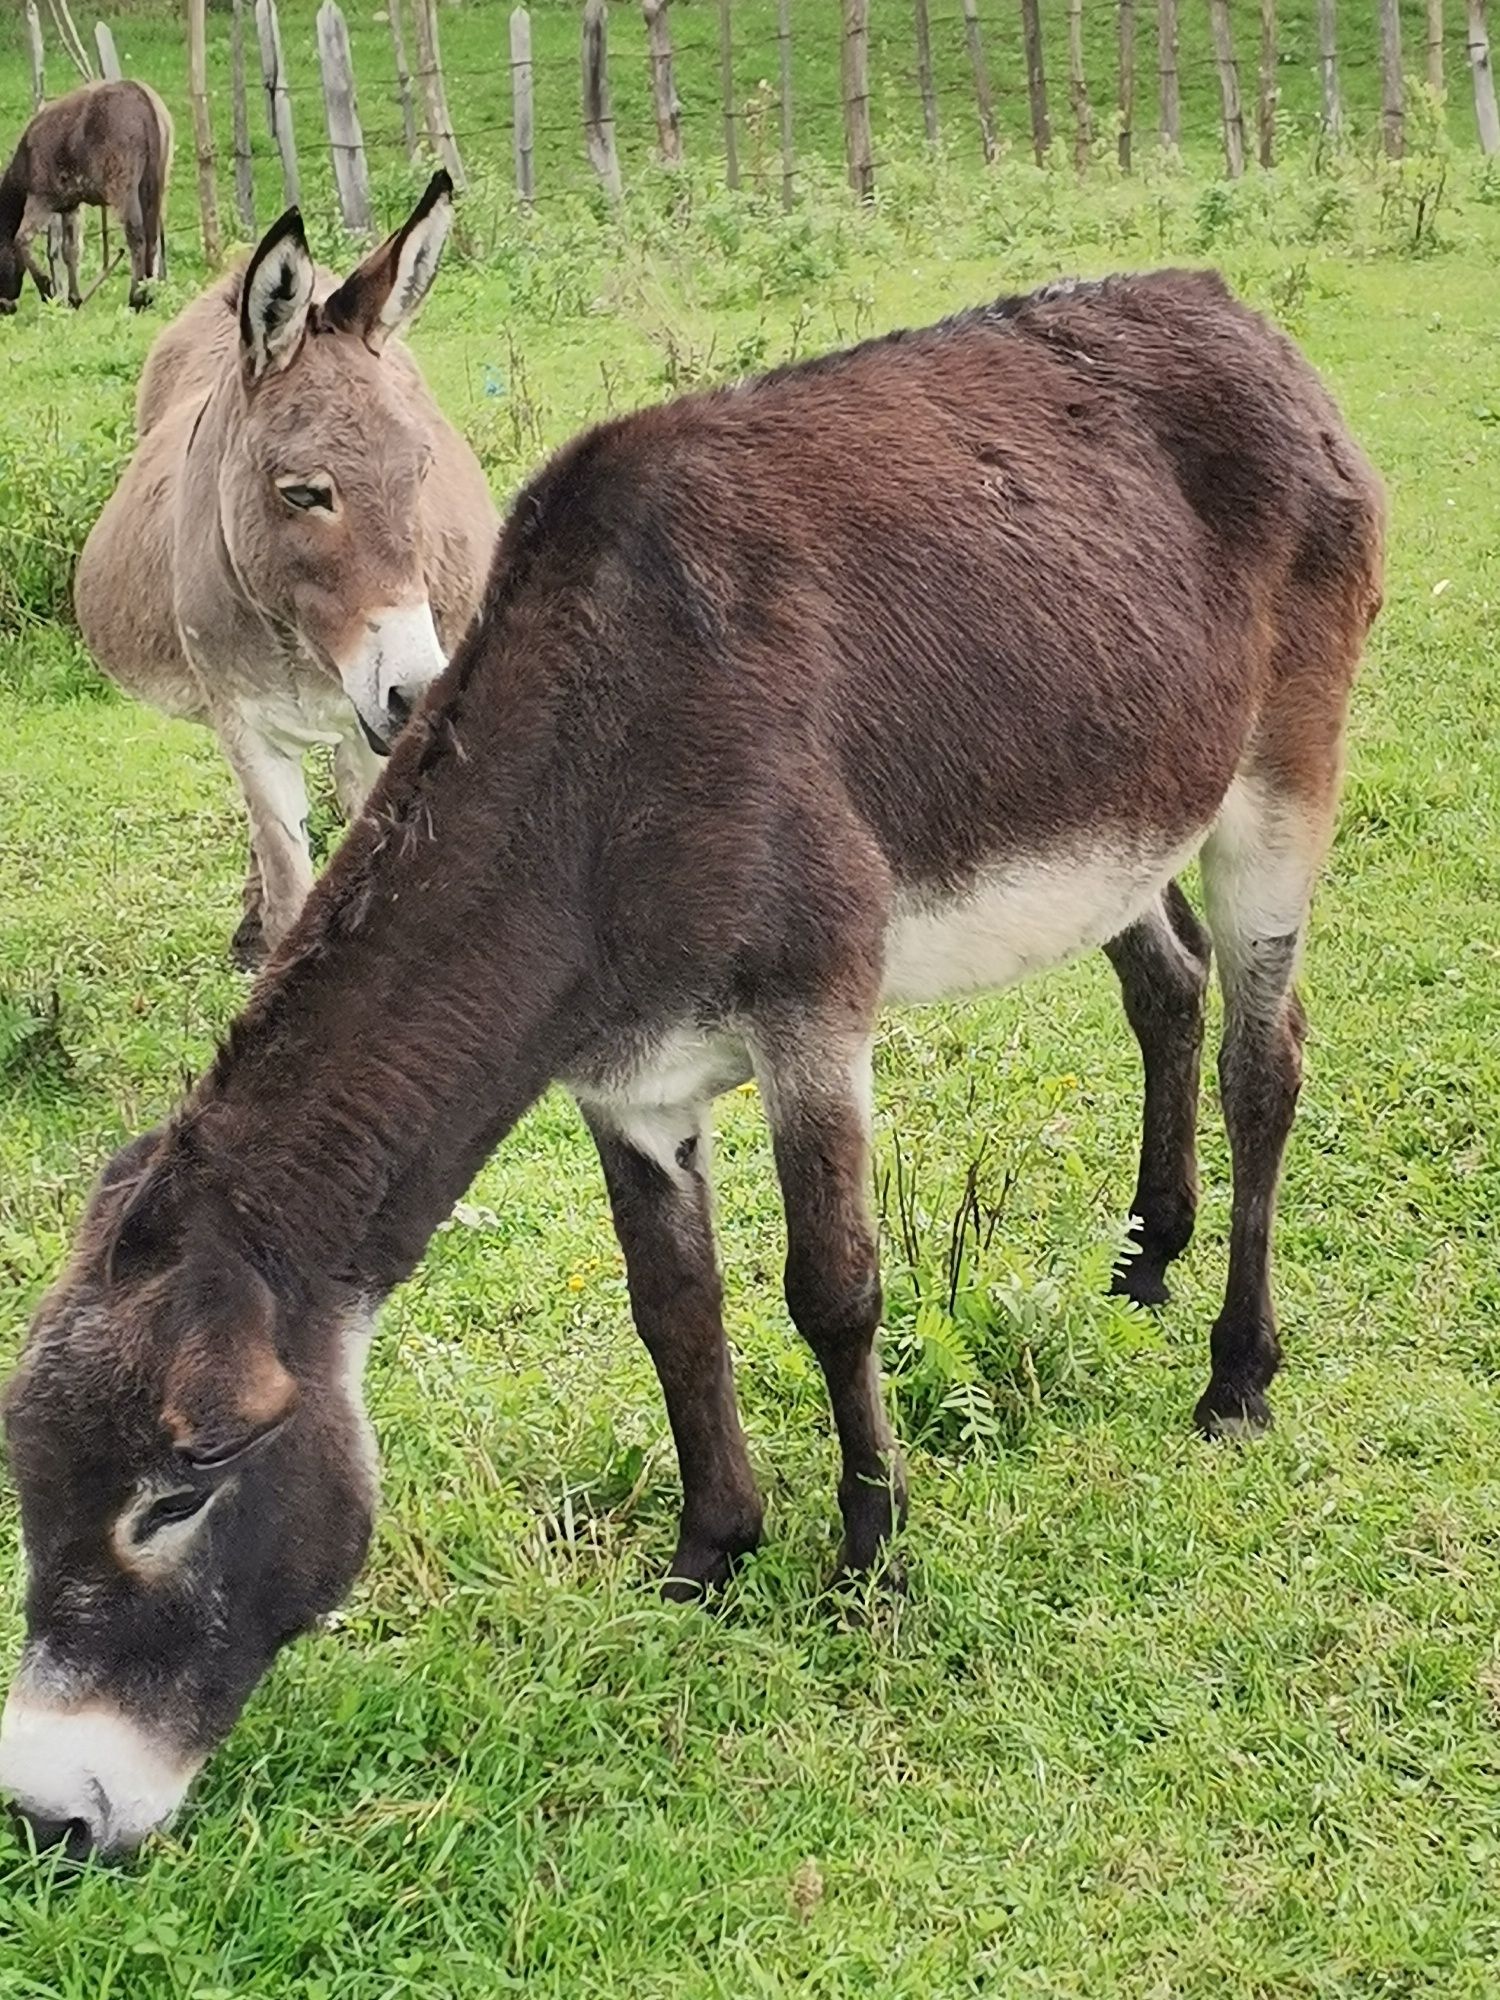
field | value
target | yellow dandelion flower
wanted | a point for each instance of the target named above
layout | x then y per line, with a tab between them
575	1282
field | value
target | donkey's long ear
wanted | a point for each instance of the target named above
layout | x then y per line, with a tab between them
143	1230
275	297
380	297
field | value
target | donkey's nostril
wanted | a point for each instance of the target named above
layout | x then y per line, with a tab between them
398	708
74	1836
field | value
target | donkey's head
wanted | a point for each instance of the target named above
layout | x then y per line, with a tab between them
197	1486
12	272
323	466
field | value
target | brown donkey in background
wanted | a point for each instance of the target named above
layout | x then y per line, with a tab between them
901	673
108	145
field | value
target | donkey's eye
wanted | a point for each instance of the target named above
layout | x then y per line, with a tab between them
307	499
172	1507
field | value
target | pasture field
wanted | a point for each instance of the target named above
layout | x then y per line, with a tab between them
1155	1719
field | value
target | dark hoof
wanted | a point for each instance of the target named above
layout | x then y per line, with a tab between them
700	1569
1231	1410
1143	1283
247	948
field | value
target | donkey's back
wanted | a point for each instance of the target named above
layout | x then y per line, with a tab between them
1050	575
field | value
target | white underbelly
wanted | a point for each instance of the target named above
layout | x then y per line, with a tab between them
1013	921
1019	919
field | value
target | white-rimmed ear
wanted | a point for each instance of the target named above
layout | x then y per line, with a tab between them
275	297
382	296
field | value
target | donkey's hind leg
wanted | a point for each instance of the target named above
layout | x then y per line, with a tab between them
141	242
1259	866
1162	964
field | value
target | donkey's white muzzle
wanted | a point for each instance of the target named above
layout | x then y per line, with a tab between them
88	1776
397	659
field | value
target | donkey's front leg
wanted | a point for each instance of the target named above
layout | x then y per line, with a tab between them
39	277
355	768
656	1170
275	790
817	1092
72	249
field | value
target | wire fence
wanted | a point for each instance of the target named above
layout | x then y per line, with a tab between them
565	99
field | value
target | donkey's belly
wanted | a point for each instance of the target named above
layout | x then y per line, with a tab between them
1019	918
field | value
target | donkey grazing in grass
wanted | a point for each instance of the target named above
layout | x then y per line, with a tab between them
300	539
896	674
108	145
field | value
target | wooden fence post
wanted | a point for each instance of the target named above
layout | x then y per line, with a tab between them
1486	114
784	46
1328	66
598	117
1266	106
859	151
1078	90
523	108
244	179
726	88
1435	47
924	72
1036	80
403	80
346	141
1169	118
278	99
434	93
38	56
38	99
663	81
1127	82
109	59
203	131
1392	83
1229	88
984	96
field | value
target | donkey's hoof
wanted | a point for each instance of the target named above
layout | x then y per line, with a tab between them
699	1570
1234	1411
1142	1282
247	948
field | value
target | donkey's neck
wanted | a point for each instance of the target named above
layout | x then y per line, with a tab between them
436	983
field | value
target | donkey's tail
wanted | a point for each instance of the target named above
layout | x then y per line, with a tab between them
154	184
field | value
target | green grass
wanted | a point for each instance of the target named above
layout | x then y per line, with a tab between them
1154	1719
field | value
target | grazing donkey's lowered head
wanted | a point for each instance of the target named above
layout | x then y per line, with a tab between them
142	1644
301	537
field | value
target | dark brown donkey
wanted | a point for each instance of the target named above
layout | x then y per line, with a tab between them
109	145
901	673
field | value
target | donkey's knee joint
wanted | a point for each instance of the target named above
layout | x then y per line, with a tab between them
831	1311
